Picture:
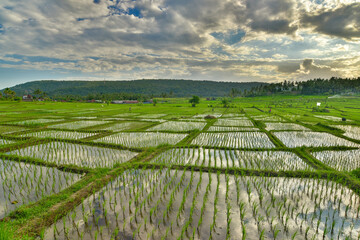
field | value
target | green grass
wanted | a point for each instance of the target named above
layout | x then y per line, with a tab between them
5	233
29	221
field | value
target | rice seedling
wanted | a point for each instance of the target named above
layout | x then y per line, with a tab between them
117	127
350	131
4	142
78	124
142	139
328	117
85	118
126	115
252	111
192	119
231	129
234	140
23	183
64	153
145	116
284	126
58	134
173	126
233	122
312	139
271	160
32	122
340	160
11	129
233	115
171	204
211	186
268	118
153	120
116	119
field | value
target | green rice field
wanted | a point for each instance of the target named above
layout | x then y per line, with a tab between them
93	171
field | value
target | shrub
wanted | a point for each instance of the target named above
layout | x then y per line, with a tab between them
209	117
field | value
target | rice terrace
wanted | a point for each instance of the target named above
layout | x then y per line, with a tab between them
173	171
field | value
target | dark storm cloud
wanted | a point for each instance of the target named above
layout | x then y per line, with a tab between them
341	22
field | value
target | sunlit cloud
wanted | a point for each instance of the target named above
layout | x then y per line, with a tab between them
242	40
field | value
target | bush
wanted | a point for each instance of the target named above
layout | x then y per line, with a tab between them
209	117
315	109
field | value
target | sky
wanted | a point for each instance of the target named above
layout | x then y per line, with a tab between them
227	40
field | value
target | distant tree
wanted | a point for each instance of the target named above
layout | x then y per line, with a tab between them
44	96
154	102
37	93
9	94
225	102
233	92
194	100
1	95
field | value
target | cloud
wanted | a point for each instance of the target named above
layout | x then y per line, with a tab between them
263	40
309	69
271	16
343	21
288	67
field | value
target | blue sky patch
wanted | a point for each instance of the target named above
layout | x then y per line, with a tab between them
319	1
134	11
37	58
117	10
230	37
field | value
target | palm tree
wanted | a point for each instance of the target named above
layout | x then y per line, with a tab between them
9	94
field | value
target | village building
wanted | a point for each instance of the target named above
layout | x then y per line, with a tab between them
27	98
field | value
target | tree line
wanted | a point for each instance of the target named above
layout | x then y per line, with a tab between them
316	86
136	90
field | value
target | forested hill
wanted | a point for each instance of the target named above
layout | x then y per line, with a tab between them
169	88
